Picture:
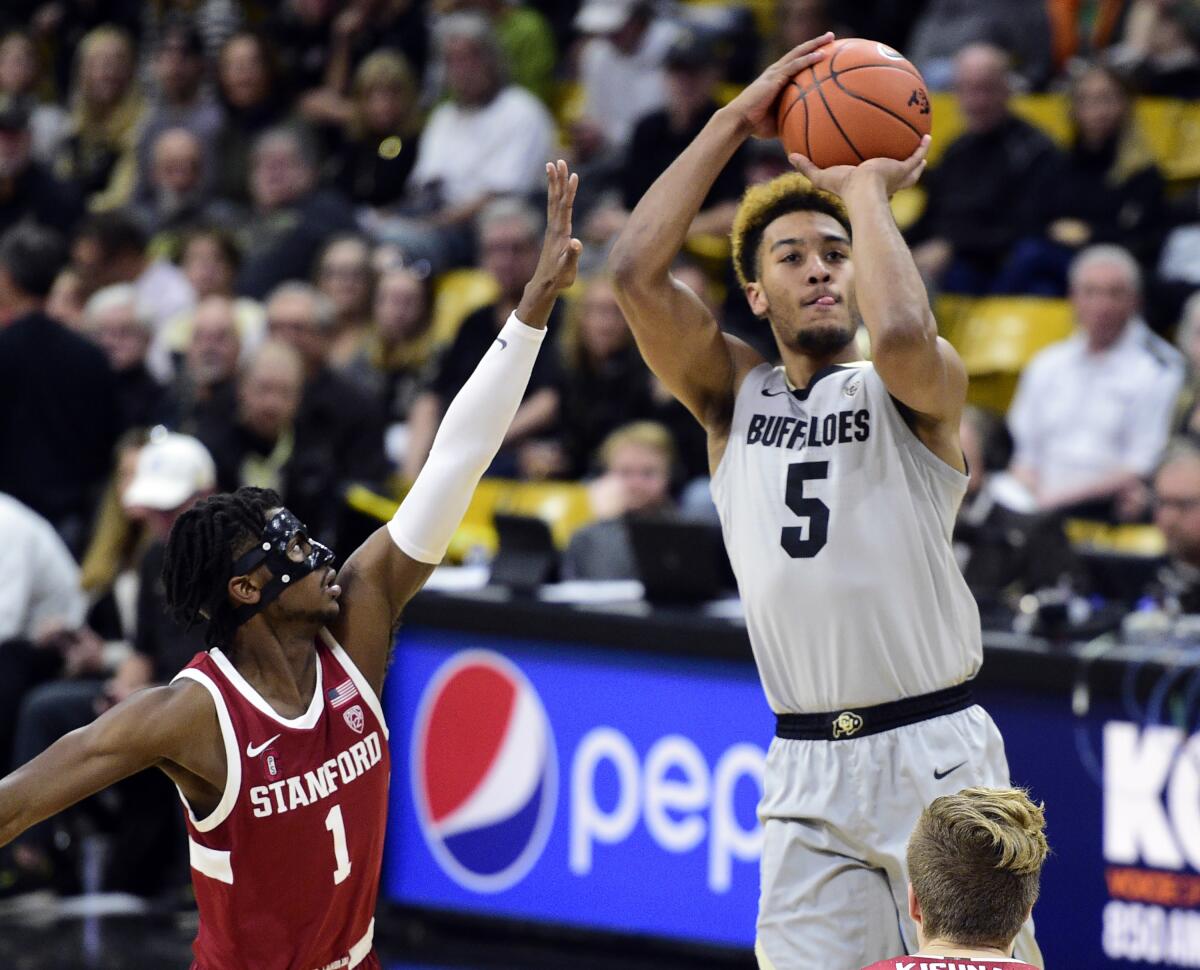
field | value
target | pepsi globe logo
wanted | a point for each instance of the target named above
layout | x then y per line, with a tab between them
484	771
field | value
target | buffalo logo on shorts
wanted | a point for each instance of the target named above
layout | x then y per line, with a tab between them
484	771
847	724
354	718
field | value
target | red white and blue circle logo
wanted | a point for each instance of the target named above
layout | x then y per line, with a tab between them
484	771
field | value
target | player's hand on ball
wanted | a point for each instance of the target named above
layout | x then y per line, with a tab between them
756	104
894	174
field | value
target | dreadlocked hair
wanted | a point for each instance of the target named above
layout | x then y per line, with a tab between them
203	545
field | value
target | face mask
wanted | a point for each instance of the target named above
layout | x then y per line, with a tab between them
281	548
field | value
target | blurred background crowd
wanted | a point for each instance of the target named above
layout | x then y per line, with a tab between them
252	243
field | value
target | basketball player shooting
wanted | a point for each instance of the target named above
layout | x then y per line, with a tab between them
837	483
275	736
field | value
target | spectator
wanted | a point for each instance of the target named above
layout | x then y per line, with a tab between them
55	447
1021	28
112	318
975	863
605	384
638	460
176	199
488	138
366	26
28	189
66	299
100	152
692	73
983	194
620	71
205	388
1108	190
1177	515
112	248
1003	546
41	589
257	447
173	473
291	216
799	20
392	364
1092	412
19	76
300	35
525	37
376	155
1187	339
248	91
182	101
510	234
1161	48
345	275
339	428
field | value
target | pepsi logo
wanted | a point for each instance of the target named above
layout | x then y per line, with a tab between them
484	771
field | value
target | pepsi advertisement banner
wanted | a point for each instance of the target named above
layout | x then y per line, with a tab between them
612	790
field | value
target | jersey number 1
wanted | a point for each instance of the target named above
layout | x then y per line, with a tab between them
793	540
341	855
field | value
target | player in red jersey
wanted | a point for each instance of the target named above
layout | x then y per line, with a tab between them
275	736
974	865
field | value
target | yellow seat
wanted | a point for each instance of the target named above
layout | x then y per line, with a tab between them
564	506
457	294
1127	539
997	336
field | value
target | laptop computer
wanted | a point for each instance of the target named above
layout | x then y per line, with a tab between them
527	557
678	561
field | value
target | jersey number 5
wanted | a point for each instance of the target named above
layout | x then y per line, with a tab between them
793	540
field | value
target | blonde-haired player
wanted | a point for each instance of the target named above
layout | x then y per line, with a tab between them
974	865
837	482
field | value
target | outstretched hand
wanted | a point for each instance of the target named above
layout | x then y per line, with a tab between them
894	174
756	104
559	260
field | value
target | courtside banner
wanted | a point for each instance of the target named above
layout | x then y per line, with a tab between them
615	790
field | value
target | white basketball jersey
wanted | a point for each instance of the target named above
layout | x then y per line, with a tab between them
838	521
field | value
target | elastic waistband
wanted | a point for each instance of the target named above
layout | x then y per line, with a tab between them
861	721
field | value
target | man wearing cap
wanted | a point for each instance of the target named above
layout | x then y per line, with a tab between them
620	70
174	471
28	190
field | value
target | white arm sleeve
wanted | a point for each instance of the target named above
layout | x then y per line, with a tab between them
469	437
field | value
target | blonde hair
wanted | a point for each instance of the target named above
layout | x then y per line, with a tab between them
384	69
647	434
763	204
975	861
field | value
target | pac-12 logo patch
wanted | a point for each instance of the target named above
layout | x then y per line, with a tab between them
355	719
484	771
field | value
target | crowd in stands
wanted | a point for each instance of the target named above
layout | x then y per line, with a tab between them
264	243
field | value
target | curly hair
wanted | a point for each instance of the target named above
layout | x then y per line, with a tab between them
201	550
763	204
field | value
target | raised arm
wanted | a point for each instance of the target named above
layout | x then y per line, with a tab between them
921	370
166	726
677	336
387	570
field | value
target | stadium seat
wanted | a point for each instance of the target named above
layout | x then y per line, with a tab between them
457	294
1126	539
564	506
997	336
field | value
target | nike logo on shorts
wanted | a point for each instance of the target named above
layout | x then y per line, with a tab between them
939	775
253	751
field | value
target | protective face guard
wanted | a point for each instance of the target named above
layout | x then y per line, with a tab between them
272	549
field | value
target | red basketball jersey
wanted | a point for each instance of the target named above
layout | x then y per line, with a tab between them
286	868
950	963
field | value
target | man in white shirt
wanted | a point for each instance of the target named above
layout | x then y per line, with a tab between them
1092	412
489	138
620	71
41	585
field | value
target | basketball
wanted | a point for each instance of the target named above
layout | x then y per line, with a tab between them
863	100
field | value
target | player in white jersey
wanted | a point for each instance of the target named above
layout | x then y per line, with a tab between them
837	483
